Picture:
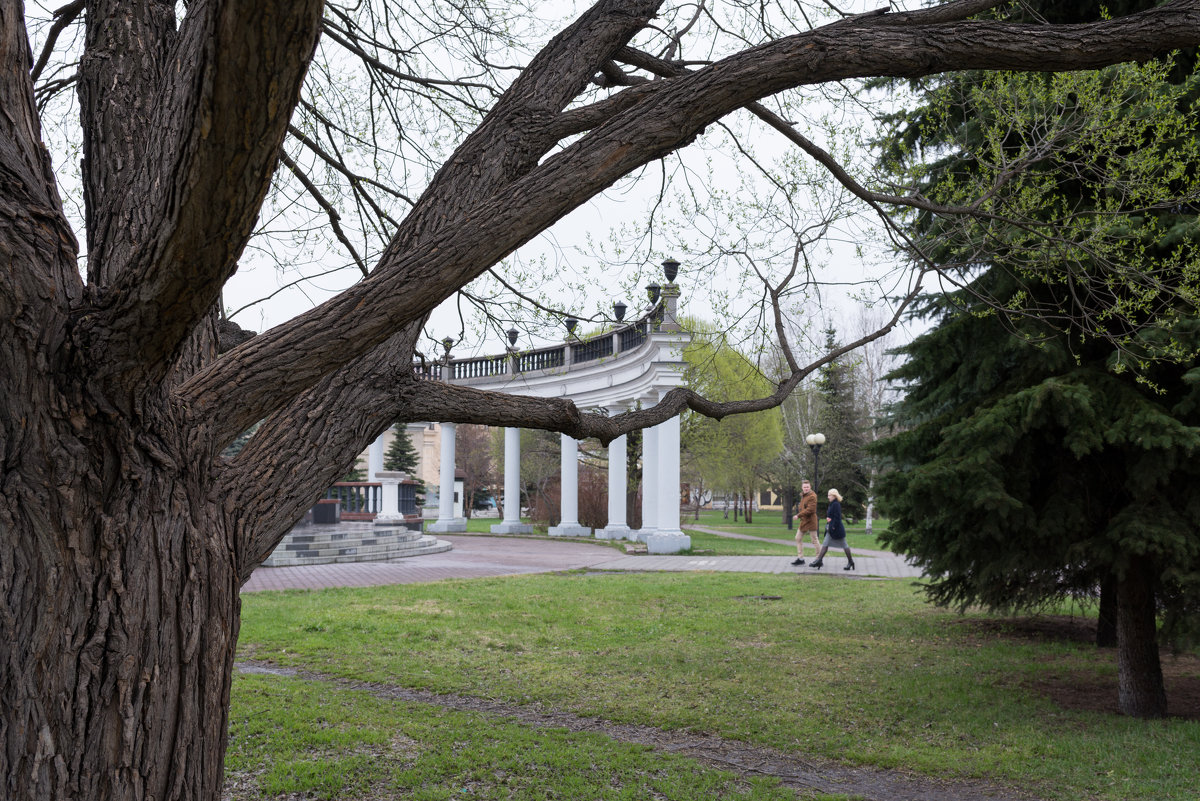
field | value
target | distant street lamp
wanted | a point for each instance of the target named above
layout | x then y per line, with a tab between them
571	323
619	309
815	441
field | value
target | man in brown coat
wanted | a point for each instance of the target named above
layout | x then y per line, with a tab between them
807	522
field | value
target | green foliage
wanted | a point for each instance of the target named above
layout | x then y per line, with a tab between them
1083	186
841	419
1027	466
734	453
401	456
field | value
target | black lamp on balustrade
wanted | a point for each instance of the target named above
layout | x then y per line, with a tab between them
571	323
653	290
619	309
447	343
512	337
670	270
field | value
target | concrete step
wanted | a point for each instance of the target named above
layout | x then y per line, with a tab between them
390	553
318	542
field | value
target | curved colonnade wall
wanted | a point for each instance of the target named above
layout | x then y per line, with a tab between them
614	371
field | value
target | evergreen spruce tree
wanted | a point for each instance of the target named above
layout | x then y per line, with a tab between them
401	456
1028	469
841	420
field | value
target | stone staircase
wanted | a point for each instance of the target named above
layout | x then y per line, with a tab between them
317	544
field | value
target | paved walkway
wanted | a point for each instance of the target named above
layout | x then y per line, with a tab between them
481	556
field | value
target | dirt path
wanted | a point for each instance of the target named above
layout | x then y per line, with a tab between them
805	774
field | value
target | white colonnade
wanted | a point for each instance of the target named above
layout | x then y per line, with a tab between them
637	362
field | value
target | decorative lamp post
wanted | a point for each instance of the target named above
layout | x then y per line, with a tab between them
670	270
512	337
815	441
571	323
653	290
619	309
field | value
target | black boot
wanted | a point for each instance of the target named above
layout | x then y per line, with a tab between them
849	565
817	565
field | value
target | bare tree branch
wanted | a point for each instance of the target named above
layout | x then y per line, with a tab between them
63	17
671	114
330	212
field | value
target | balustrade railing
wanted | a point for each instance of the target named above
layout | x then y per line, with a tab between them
483	367
592	349
544	359
362	500
359	500
633	336
597	347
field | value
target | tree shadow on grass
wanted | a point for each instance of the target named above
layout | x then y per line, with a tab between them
1093	690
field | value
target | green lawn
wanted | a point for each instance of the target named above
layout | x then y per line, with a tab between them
765	525
862	670
770	524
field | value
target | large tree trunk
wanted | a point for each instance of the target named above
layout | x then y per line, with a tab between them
1140	682
120	613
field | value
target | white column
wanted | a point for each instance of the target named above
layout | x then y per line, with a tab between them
512	486
668	538
375	458
617	482
568	525
649	483
389	507
446	521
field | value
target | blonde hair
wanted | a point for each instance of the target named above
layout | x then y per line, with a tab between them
836	494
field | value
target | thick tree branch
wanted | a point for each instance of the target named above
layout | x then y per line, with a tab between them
265	372
31	211
507	144
209	149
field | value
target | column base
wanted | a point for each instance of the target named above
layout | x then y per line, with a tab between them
640	534
667	542
447	526
570	530
390	519
613	533
512	528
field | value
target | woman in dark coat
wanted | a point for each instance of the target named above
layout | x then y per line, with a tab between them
835	532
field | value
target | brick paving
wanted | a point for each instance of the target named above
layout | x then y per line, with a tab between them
481	556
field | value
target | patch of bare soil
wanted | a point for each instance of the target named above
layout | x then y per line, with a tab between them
1089	689
806	774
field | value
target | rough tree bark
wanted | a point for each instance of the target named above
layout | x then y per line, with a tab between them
1140	690
124	535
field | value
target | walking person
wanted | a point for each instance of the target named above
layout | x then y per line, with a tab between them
806	524
835	532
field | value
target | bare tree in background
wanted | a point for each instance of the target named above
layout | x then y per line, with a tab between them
124	534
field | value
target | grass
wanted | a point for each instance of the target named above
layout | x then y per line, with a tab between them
705	543
768	524
862	670
291	737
